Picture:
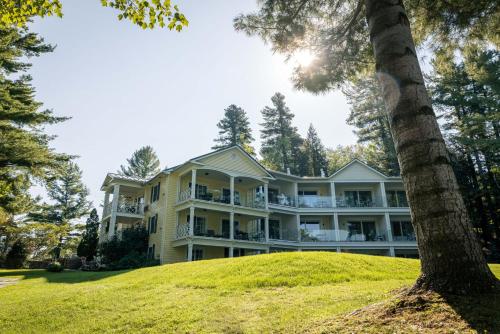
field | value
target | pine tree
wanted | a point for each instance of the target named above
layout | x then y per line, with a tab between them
280	140
25	154
234	129
315	153
143	164
69	196
369	116
90	237
348	37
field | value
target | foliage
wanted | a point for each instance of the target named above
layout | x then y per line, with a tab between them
369	116
280	140
342	155
17	255
301	292
55	267
69	195
143	164
133	240
90	237
25	154
315	154
145	14
234	129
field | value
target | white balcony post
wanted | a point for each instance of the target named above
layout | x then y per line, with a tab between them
191	221
106	204
334	196
383	194
193	183
266	229
231	251
388	227
336	226
266	199
392	252
231	225
178	187
114	209
297	217
231	189
296	194
190	251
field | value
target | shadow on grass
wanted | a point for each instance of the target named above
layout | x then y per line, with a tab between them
481	312
67	276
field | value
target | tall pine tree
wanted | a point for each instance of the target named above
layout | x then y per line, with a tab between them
369	116
90	237
144	164
234	129
315	154
69	203
280	140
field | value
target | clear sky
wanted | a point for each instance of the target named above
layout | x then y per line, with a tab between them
125	87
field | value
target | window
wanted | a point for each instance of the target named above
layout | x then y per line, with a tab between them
272	195
309	225
402	231
308	193
362	231
200	225
152	224
151	252
155	193
396	198
201	191
107	226
197	254
274	229
355	198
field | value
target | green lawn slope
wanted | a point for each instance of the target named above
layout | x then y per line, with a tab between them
285	292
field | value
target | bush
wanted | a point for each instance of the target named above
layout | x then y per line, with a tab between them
16	256
55	267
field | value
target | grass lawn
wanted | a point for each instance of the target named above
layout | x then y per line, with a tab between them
285	292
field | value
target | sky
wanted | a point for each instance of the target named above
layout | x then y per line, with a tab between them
125	87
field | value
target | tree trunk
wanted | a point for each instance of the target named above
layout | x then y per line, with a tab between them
451	258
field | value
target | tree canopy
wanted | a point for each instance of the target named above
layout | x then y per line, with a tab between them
234	129
143	164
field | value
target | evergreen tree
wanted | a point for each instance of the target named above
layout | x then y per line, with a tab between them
17	255
234	129
144	164
280	140
90	237
342	155
69	196
369	116
348	37
315	153
25	154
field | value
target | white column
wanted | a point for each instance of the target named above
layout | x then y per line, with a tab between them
231	189
266	229
231	225
297	217
392	252
383	194
338	250
266	199
190	251
268	250
334	196
106	203
296	194
193	183
114	208
231	251
388	227
191	221
336	226
178	189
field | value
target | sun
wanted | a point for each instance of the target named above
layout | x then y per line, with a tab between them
303	58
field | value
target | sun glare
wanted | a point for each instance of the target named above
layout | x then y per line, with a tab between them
303	58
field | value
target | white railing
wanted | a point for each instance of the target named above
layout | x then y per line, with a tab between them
349	203
344	236
318	235
130	207
258	202
182	231
283	200
184	195
315	201
284	235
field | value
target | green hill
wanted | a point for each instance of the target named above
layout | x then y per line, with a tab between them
286	292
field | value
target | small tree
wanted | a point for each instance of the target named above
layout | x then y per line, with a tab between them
90	237
144	164
133	241
234	129
315	153
69	194
16	256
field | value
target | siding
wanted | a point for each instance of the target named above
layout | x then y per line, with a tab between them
235	161
357	172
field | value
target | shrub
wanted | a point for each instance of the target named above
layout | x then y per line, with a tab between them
16	256
131	248
55	267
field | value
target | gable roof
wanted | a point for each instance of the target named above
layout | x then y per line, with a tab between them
364	164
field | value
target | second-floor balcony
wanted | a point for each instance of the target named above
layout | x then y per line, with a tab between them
314	201
257	201
344	202
127	207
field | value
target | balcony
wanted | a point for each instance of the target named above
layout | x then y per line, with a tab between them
350	203
328	235
217	196
312	201
183	232
124	206
283	200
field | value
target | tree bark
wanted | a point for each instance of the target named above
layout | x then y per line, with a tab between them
451	258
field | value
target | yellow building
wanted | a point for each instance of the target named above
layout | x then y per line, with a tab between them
238	208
